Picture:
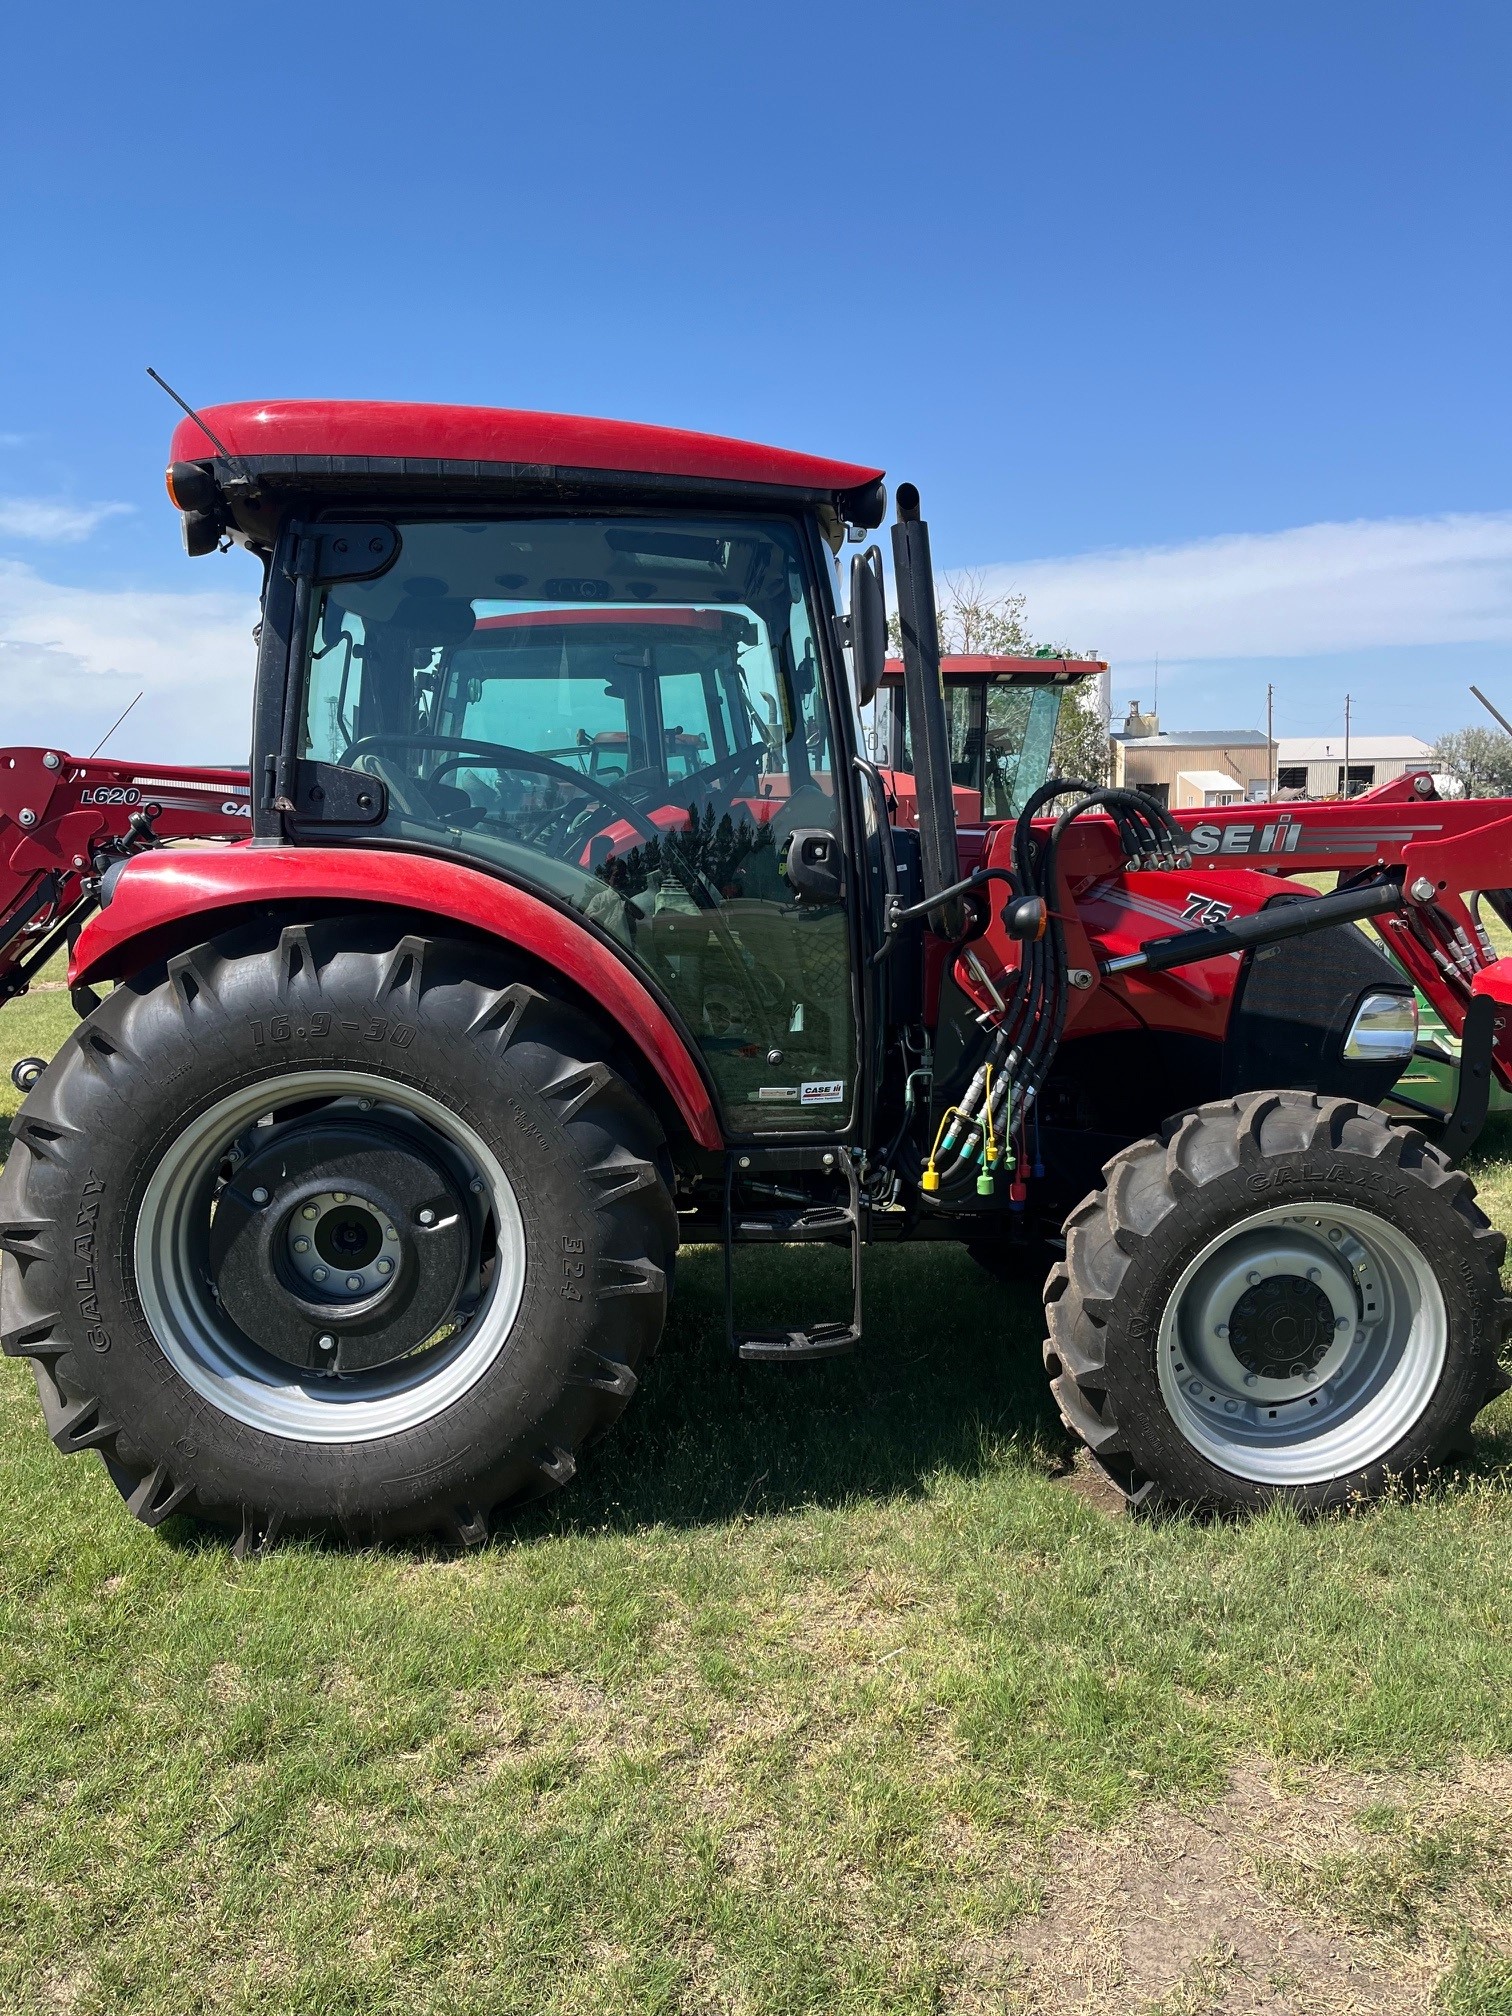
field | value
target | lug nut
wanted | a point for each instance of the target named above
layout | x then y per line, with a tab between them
389	1232
1315	1273
320	1273
259	1195
364	1105
339	1196
310	1211
1252	1277
1220	1329
385	1266
354	1280
301	1245
1341	1322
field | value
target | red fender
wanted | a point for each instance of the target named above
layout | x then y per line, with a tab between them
158	891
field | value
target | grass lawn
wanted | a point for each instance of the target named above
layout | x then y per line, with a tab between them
829	1690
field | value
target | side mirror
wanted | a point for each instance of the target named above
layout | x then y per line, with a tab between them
868	623
813	866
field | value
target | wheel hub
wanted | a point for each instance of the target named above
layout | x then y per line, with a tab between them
339	1246
1282	1328
343	1246
1301	1342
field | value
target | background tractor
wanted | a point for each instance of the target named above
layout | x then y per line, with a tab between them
562	917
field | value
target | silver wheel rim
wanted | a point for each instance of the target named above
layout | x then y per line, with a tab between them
1348	1397
211	1354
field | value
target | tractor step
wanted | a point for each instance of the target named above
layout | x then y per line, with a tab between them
816	1223
788	1347
809	1224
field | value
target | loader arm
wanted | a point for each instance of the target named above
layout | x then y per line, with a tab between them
64	820
1440	851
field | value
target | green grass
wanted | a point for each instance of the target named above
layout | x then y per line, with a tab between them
778	1710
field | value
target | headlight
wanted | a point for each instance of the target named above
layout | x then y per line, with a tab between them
1384	1030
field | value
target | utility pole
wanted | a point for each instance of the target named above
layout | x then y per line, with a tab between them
1270	741
1346	745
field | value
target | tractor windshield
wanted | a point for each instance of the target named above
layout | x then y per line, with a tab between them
1001	734
630	713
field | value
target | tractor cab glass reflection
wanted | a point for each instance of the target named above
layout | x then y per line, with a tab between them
630	714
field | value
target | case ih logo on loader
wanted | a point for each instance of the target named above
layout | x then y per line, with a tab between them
574	924
1285	833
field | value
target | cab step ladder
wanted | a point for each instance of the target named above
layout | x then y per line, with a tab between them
808	1224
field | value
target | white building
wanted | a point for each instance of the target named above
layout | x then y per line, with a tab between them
1312	766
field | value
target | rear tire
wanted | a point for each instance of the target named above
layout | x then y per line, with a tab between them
461	1121
1281	1297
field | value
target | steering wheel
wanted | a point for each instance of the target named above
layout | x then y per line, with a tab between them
507	757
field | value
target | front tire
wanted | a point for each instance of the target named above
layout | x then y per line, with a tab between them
1281	1297
335	1227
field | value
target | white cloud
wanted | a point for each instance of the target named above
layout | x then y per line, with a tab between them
1300	593
71	658
46	519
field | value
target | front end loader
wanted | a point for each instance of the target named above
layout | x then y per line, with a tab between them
562	917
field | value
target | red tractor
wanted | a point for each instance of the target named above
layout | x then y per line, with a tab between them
564	918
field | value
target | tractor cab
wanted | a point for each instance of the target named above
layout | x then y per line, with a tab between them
1001	717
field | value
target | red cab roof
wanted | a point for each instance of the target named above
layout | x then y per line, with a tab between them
981	665
292	431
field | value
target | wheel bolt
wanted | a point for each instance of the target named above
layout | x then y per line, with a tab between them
385	1266
1220	1329
1335	1234
327	1342
338	1196
310	1211
320	1273
389	1232
1253	1276
1341	1322
354	1280
1315	1273
426	1215
1251	1378
301	1245
259	1195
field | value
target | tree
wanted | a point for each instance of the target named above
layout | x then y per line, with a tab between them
1479	758
969	620
1081	748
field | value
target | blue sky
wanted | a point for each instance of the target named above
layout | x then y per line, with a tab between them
1191	321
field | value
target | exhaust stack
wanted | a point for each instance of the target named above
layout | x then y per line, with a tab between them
924	694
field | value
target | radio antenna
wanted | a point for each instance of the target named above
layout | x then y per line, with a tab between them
230	455
116	723
1495	712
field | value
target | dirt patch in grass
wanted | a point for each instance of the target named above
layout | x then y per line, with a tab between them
1311	1893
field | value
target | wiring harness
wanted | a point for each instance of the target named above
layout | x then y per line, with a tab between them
985	1131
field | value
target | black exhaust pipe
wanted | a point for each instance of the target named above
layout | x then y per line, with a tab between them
924	695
